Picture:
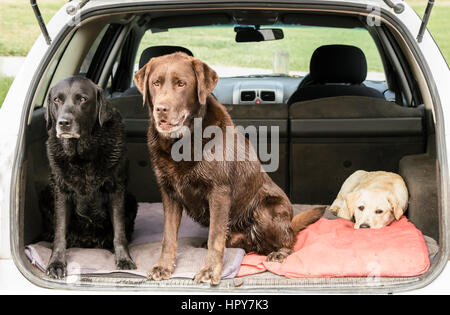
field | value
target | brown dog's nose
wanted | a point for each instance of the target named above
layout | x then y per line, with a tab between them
161	108
364	226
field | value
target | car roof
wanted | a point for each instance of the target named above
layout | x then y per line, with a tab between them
96	3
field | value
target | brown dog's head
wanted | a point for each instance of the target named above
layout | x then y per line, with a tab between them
175	88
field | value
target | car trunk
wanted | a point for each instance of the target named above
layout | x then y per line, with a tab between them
317	152
411	156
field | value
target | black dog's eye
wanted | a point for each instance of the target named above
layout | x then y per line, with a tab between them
378	211
56	99
83	99
361	208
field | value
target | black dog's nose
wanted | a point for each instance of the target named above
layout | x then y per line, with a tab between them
364	226
64	122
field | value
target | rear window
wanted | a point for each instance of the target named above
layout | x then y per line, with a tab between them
217	47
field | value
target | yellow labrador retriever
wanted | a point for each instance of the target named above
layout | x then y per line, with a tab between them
372	199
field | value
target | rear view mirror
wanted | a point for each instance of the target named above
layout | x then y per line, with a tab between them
250	34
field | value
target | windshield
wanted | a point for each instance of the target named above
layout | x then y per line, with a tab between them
288	56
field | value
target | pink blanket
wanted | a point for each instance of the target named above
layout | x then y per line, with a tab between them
333	248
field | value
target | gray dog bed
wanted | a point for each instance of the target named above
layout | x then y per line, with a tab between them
145	249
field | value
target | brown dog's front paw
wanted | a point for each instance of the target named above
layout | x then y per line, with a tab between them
210	274
280	255
159	272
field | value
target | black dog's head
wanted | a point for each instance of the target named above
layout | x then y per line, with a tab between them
75	106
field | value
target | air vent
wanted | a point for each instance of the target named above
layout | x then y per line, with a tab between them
268	96
248	96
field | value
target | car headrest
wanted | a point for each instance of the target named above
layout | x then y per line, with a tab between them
338	64
157	51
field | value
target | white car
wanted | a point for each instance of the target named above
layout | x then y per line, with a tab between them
374	96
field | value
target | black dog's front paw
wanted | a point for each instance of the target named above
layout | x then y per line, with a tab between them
57	270
125	264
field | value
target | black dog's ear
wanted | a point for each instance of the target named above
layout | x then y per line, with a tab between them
103	110
48	111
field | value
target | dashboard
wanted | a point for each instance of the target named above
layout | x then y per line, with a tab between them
256	90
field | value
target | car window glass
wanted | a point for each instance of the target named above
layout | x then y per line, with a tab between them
90	55
217	47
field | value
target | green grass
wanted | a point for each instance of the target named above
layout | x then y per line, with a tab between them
19	30
220	47
439	25
5	83
18	25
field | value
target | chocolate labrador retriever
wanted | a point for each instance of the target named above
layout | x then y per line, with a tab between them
86	204
241	204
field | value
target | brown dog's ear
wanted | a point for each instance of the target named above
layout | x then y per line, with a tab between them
206	79
141	82
395	206
103	110
348	211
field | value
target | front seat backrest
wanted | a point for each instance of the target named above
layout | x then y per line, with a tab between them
157	51
335	70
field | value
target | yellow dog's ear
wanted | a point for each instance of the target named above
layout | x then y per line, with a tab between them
141	82
395	206
348	211
206	79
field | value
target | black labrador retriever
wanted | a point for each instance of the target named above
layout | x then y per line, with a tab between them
86	204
